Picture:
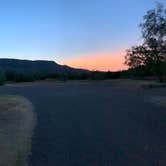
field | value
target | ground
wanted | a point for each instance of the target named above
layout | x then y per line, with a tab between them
95	123
16	125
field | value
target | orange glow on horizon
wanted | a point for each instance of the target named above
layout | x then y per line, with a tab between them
102	62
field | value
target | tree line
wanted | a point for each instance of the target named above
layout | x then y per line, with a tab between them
10	76
133	73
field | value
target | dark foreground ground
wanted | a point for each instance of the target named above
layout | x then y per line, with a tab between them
95	124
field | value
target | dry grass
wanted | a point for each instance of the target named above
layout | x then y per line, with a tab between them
115	82
137	83
160	100
129	83
16	126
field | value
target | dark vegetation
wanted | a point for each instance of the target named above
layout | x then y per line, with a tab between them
13	70
11	76
137	73
151	54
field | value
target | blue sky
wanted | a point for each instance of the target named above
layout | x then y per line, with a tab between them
65	29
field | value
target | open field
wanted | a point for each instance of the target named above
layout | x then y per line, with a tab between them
16	125
96	123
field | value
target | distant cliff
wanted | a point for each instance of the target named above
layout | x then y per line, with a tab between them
38	66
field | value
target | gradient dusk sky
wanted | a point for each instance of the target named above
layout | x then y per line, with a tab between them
91	34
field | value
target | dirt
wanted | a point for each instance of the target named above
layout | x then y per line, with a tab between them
16	125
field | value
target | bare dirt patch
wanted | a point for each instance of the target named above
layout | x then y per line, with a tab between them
16	125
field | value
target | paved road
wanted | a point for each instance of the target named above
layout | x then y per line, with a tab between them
94	124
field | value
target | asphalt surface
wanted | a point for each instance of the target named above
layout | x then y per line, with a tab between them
95	124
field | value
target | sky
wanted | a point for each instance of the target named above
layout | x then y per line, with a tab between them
92	34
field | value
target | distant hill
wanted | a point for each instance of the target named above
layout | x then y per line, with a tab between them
38	66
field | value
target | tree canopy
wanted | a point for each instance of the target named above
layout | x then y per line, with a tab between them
152	52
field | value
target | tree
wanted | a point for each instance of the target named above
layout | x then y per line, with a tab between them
152	53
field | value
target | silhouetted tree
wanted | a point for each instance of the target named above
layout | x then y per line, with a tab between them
152	53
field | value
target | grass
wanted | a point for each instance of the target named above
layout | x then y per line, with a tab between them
16	125
160	100
154	85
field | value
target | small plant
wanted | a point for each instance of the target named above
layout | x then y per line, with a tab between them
2	78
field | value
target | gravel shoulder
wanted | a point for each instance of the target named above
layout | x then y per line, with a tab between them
16	125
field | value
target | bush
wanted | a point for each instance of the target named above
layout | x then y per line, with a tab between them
2	78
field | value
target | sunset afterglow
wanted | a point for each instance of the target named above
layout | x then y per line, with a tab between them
103	62
85	34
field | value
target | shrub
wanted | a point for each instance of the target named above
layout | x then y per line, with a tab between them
2	78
